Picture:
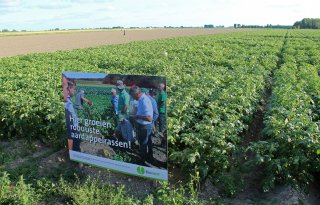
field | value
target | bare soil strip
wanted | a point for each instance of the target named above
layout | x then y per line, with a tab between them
15	45
23	152
15	164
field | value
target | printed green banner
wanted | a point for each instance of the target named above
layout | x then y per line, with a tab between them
117	121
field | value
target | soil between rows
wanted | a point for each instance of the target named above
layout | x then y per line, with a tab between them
58	163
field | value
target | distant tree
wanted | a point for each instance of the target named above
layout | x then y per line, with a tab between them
208	26
5	30
297	24
308	23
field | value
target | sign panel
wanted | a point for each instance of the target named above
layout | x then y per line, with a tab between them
117	122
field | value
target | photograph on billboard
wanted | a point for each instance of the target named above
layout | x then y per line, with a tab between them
117	122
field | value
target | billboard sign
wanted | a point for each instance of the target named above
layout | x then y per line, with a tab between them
117	122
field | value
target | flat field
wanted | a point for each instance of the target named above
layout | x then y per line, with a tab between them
38	42
243	116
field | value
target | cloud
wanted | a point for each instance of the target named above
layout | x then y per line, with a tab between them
9	6
53	6
284	6
9	3
46	5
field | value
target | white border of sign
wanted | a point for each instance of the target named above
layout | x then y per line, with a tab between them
123	167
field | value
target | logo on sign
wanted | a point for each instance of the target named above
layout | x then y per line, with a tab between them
140	170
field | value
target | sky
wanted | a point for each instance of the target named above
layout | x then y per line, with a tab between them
76	14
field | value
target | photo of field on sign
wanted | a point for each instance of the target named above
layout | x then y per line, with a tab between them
118	117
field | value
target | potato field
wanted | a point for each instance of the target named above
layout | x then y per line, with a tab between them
216	86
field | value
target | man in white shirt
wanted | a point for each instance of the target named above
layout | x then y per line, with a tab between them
144	125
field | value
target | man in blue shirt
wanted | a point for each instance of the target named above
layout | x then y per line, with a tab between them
144	124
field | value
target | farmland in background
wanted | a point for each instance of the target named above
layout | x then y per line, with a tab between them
238	103
38	42
26	33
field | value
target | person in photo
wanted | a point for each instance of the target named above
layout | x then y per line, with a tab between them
143	122
83	112
124	126
71	115
114	103
161	101
154	106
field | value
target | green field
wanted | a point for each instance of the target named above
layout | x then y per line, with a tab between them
216	86
101	98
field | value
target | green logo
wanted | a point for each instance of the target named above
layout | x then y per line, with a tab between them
140	170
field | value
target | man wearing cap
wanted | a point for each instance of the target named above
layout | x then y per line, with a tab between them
124	126
144	123
123	103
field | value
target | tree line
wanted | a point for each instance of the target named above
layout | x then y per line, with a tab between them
311	23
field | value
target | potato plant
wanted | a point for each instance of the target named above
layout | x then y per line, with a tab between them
290	151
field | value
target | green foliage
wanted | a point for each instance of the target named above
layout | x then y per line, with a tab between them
24	193
21	193
207	116
182	195
91	191
289	153
5	189
214	86
310	23
230	183
101	109
120	156
5	156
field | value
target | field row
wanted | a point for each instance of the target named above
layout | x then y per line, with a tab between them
291	150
